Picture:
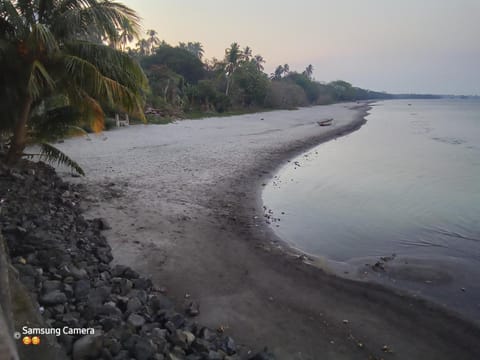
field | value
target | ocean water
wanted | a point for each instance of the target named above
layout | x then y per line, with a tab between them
407	182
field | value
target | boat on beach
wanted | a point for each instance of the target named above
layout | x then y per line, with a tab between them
326	122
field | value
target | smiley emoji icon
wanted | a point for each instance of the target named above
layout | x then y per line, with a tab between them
35	340
27	340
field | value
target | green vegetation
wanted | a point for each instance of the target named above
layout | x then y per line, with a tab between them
61	67
182	84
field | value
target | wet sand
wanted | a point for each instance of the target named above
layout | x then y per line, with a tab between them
183	201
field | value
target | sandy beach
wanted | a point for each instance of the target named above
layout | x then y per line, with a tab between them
183	202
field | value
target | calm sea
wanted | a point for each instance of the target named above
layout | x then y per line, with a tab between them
407	182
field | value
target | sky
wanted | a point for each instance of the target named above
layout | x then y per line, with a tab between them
407	46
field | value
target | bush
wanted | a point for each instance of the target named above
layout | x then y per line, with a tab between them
285	95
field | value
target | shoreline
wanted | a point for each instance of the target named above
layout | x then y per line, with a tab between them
244	282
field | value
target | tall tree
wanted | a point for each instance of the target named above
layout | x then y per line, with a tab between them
247	53
126	34
233	55
258	60
278	73
152	40
308	71
48	63
195	48
143	47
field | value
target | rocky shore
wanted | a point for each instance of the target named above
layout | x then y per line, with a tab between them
64	261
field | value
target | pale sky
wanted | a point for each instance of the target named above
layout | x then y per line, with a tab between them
399	46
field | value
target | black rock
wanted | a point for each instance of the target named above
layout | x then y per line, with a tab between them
87	347
134	305
82	289
136	320
53	298
264	355
144	349
192	308
51	285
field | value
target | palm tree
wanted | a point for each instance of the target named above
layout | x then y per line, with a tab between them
233	55
247	53
277	74
126	34
143	47
48	64
308	71
152	40
258	60
196	49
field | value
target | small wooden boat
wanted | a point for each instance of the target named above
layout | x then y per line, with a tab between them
326	122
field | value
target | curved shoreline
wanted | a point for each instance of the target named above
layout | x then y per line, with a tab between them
221	255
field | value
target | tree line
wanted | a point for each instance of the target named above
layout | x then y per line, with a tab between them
182	81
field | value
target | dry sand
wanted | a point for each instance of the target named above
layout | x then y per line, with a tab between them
183	203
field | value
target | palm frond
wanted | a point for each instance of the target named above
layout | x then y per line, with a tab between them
93	114
94	17
39	80
41	37
112	63
86	76
51	154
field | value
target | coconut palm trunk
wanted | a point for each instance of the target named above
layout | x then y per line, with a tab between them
19	139
228	85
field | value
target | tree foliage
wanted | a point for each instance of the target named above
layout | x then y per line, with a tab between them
64	51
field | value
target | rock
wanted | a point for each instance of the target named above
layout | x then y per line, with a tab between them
179	338
110	309
134	305
136	320
171	356
142	284
118	270
53	298
160	302
121	286
130	274
66	341
113	345
122	355
144	349
229	346
110	322
189	336
82	289
264	355
192	308
102	224
98	295
87	347
207	334
214	355
76	272
201	346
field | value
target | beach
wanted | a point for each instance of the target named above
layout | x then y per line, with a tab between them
183	204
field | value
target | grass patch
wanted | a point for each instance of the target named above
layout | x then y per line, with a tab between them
194	115
159	120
